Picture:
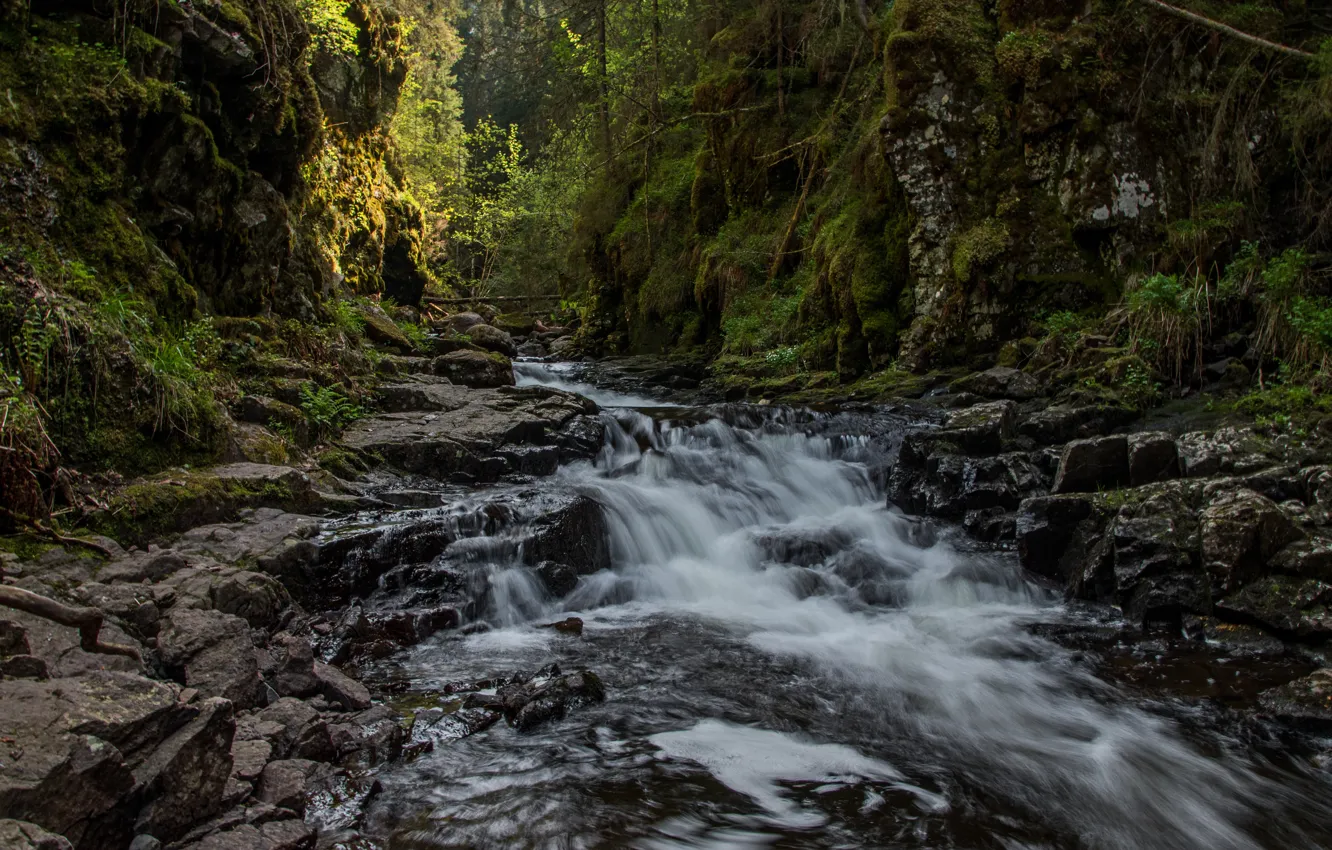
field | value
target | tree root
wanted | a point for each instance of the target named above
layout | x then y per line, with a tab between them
87	620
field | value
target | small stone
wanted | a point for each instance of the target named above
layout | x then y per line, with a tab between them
338	688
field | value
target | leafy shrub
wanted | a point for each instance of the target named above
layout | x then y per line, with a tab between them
328	410
330	30
786	359
416	335
347	317
182	391
1165	319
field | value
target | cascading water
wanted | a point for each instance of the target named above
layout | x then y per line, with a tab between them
793	664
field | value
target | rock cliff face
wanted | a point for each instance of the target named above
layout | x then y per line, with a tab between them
191	154
924	186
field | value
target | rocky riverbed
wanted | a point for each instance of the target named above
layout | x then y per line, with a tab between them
525	618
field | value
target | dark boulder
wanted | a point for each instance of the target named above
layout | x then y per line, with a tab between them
185	775
1306	702
1301	608
527	705
212	652
1152	457
1087	466
1060	537
1242	531
493	339
575	534
475	369
999	382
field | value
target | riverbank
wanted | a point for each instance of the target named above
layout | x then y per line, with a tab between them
317	634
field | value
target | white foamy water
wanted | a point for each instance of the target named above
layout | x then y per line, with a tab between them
772	541
562	376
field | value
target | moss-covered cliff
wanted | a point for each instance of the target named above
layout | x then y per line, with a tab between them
164	170
925	183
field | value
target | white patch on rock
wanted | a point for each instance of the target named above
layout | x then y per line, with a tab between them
1132	195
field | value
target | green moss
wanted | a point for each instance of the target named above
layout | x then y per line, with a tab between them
148	510
979	247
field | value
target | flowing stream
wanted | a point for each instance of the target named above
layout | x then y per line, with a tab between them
791	663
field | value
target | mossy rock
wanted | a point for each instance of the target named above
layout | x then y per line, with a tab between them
148	510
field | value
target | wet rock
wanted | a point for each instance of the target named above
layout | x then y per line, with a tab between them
1241	531
20	835
1059	423
999	383
369	738
493	339
1306	701
1310	558
532	348
982	429
212	652
990	525
293	727
432	727
73	745
286	783
138	607
949	485
559	579
185	776
1057	536
1087	466
1152	457
465	441
289	834
340	689
530	704
1157	572
273	541
1294	606
475	369
575	534
1203	454
567	626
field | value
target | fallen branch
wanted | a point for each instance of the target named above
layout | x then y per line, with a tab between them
87	620
1194	17
46	531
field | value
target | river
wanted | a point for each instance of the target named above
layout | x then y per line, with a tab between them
791	663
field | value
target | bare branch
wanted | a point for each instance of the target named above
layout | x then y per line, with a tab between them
1194	17
87	620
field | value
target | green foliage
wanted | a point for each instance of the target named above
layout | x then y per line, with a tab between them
416	335
330	30
347	317
181	386
328	410
1165	318
1139	388
979	247
1020	53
